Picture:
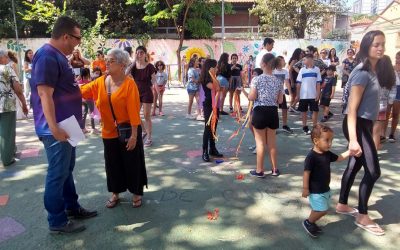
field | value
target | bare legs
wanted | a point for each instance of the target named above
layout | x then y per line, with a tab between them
265	138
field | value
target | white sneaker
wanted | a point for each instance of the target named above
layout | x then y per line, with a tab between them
251	148
189	116
255	151
199	118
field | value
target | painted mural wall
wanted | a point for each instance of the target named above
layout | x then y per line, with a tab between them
165	49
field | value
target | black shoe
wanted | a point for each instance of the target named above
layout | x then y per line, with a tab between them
310	228
81	213
70	227
306	130
392	139
230	110
330	114
205	156
287	129
214	152
223	113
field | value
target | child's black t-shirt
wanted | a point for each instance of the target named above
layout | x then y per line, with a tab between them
237	70
329	82
319	166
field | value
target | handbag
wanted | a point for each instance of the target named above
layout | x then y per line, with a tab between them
124	129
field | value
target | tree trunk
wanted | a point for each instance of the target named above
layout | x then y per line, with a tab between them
178	54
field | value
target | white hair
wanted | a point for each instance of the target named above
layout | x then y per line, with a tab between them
120	56
3	53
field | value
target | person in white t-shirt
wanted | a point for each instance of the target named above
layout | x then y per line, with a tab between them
308	85
268	45
283	76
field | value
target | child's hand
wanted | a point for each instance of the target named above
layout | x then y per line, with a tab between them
306	192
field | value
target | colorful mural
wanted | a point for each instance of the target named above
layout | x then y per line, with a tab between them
165	49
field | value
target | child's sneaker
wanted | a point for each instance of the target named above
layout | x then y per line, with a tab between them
310	228
255	151
255	174
330	114
383	139
275	172
392	139
306	130
251	148
325	119
287	129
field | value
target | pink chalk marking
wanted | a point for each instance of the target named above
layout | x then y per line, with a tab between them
28	153
9	228
4	200
194	153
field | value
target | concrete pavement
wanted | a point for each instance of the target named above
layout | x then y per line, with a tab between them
253	213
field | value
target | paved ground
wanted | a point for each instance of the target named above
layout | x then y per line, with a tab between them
253	213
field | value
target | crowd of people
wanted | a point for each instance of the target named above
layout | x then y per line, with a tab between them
117	86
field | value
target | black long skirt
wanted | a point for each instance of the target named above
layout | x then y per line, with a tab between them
125	170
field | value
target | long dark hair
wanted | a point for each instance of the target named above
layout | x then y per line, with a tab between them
296	55
204	75
363	54
223	63
331	56
26	58
386	75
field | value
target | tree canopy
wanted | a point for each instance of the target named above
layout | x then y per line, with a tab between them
294	18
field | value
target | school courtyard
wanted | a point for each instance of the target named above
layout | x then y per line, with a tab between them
190	204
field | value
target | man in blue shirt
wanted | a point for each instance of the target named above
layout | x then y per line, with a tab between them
55	97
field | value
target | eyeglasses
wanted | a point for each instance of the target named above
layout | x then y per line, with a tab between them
79	38
110	61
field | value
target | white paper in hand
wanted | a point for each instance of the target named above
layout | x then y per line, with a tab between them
72	128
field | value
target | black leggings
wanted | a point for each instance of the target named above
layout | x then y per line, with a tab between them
207	135
368	159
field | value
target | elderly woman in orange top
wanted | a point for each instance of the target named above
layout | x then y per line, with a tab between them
125	164
99	62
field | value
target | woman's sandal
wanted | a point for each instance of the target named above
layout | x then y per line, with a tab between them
112	203
137	203
374	229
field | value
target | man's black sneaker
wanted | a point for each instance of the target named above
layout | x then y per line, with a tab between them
70	227
310	228
392	139
81	213
306	130
287	129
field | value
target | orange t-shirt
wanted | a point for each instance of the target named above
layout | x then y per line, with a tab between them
100	64
125	101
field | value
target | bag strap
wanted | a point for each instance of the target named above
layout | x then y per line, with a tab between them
108	88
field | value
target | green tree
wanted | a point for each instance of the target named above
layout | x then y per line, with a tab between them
201	16
175	10
293	18
7	26
91	35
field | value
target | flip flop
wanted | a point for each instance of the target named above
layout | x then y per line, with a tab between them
112	203
135	203
353	213
370	228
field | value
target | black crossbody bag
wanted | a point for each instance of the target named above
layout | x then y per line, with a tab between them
124	129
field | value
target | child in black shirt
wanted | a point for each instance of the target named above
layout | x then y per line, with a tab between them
328	92
317	176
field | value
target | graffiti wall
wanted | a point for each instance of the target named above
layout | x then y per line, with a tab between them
165	49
